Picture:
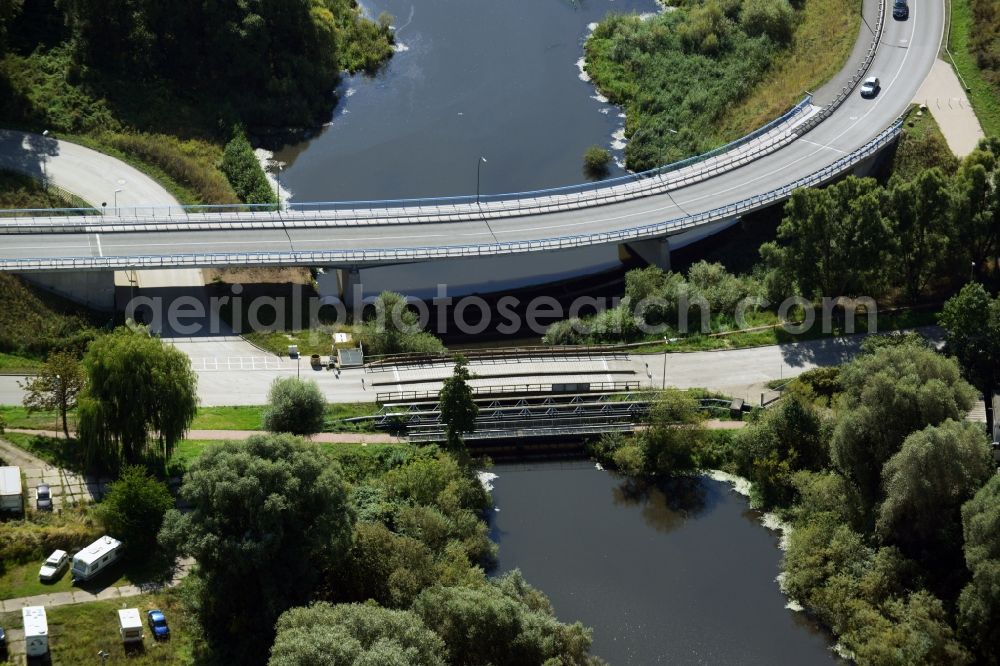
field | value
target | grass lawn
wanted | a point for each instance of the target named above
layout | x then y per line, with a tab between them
78	632
229	418
985	98
53	450
21	580
16	365
309	341
823	41
18	417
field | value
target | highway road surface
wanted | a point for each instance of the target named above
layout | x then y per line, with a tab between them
905	56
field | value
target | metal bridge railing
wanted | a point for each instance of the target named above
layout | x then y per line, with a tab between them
348	257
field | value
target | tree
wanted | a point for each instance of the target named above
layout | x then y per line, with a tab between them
971	321
675	435
458	408
8	10
354	635
497	624
393	328
295	406
56	387
268	517
918	215
134	507
138	390
595	162
979	603
975	230
244	172
887	395
935	472
832	241
788	438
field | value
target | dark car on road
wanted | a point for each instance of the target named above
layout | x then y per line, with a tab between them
900	10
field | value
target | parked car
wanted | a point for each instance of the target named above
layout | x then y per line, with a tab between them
900	10
54	566
158	624
43	497
871	87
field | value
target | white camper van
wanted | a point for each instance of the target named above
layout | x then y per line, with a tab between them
11	495
95	558
36	630
130	625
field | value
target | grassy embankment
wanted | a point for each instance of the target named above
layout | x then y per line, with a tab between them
33	323
689	82
79	631
975	47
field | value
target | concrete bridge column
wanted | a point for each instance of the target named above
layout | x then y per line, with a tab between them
350	285
655	251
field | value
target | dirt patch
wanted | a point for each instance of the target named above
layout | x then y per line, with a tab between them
256	275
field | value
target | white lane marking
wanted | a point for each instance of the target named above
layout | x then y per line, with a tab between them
820	145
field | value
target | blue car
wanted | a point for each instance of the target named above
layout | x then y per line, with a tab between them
158	624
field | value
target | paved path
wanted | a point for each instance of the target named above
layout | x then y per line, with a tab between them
245	379
943	94
80	596
88	174
66	487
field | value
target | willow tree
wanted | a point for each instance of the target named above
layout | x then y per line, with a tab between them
140	398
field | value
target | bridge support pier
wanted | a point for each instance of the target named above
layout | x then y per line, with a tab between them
349	280
654	251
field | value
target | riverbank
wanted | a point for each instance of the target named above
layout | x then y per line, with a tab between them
690	81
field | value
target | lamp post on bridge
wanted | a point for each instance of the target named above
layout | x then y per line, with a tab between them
117	192
479	168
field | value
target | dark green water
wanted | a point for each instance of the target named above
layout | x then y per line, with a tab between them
678	575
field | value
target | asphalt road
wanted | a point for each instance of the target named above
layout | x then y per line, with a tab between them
239	378
88	174
907	54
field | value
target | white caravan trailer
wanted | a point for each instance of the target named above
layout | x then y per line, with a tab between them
36	630
95	558
130	625
11	497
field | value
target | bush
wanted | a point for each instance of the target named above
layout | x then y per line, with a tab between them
244	172
134	507
192	163
393	328
22	541
295	406
596	161
771	18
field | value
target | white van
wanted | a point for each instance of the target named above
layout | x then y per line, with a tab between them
36	630
130	625
95	558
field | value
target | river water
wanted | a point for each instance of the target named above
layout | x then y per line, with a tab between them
681	575
492	78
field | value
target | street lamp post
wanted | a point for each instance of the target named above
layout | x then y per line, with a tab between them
665	343
117	192
479	168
